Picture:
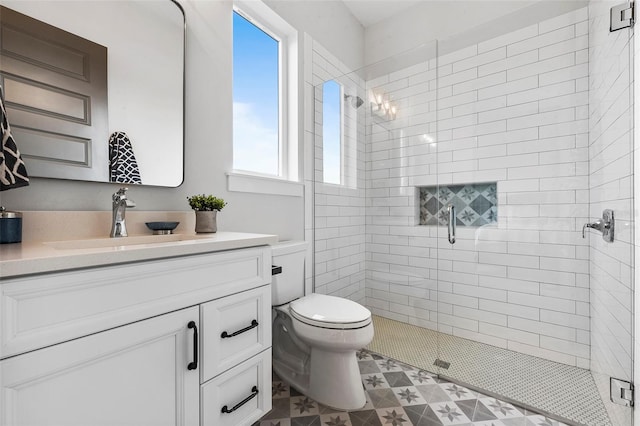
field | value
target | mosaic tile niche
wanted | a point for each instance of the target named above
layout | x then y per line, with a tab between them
476	204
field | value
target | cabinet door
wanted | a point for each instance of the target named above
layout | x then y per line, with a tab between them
132	375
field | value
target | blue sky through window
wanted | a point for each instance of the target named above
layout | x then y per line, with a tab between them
331	131
255	98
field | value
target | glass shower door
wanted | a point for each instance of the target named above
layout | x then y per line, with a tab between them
534	141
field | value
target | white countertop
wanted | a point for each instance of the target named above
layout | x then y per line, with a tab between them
40	257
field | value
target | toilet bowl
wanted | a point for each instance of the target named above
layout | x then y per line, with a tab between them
315	339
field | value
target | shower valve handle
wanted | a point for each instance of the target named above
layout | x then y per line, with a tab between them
606	225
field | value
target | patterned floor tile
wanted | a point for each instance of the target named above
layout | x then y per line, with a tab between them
281	409
421	377
399	394
490	423
482	413
306	421
280	390
457	393
324	410
539	420
500	409
449	413
393	416
409	395
433	393
383	398
294	392
369	405
368	367
365	418
398	378
468	407
387	365
303	406
518	421
363	355
422	415
338	419
374	381
276	422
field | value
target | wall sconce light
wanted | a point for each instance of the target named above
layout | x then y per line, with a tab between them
383	107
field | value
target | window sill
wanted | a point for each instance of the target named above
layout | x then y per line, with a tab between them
241	182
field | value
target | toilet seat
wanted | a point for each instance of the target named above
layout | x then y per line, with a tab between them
324	311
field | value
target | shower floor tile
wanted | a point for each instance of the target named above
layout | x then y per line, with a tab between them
399	394
559	390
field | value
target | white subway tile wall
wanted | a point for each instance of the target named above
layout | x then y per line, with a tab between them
339	210
610	178
512	110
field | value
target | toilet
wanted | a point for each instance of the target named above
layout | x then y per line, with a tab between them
315	337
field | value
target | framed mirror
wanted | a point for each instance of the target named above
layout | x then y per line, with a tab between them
94	91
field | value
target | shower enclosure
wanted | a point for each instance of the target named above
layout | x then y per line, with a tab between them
451	189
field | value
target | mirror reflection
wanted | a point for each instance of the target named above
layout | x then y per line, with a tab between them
94	90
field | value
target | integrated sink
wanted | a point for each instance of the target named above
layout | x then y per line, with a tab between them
123	241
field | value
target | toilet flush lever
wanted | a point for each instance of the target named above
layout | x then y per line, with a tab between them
606	225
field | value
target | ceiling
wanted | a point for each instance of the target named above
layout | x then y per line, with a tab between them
369	12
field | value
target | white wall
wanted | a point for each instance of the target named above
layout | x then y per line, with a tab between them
470	21
208	137
330	23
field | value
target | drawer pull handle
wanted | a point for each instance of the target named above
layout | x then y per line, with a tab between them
193	365
275	270
254	393
225	335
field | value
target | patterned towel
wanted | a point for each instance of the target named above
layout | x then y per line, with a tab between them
13	173
123	166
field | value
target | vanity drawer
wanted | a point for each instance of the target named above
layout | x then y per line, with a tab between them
246	387
44	310
244	319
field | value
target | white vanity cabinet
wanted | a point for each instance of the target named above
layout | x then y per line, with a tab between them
131	375
139	343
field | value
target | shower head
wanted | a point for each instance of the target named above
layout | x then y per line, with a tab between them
356	101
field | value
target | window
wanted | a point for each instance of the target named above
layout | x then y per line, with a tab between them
340	117
256	98
264	97
331	132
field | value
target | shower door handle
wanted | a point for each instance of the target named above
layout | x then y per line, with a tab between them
452	224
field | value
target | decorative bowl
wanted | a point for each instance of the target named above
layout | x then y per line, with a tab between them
162	227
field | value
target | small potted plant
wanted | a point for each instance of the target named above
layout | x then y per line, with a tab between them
206	208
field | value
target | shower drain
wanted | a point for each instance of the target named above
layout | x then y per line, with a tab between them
442	364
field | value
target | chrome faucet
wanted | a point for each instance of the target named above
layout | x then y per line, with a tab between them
120	205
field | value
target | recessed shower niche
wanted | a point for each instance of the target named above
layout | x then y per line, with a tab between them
476	204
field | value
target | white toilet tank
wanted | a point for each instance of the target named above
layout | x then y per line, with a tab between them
289	284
